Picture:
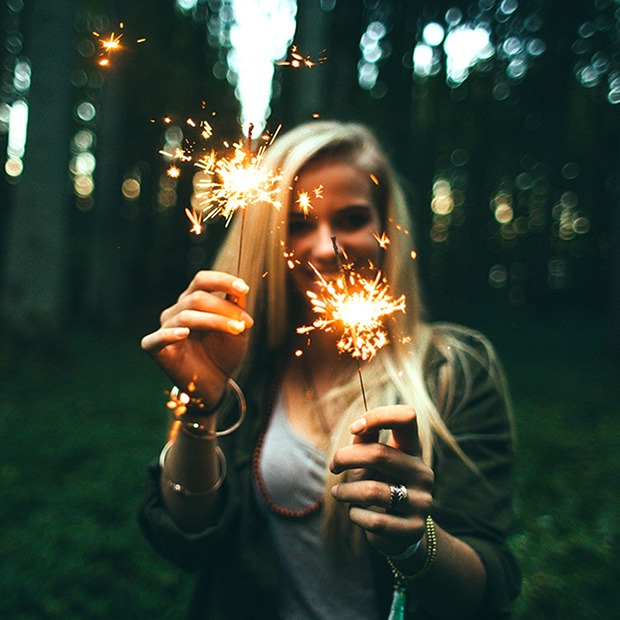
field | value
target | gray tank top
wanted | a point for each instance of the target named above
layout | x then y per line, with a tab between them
314	586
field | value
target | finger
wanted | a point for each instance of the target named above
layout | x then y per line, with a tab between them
203	301
400	419
363	493
390	462
367	493
388	525
219	281
155	342
207	321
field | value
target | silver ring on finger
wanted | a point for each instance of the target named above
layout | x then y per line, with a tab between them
398	494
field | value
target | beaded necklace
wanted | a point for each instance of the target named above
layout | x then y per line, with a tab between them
262	489
258	478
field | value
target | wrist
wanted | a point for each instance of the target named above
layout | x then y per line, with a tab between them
421	559
408	553
191	415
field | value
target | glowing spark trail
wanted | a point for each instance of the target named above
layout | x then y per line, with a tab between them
195	219
383	240
297	60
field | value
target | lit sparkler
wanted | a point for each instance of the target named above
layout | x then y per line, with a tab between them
357	307
232	183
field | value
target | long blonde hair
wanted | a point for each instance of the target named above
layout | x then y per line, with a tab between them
397	374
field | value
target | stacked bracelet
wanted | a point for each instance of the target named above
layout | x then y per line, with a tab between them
431	553
181	403
177	488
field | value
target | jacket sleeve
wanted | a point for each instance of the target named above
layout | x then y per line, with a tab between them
473	501
189	550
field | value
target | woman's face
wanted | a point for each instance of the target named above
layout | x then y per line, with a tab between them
346	209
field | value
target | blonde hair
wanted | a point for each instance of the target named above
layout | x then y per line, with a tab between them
397	374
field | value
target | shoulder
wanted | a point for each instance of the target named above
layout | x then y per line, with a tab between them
449	340
462	367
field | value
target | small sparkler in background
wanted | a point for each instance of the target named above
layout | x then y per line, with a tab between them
111	45
297	60
357	307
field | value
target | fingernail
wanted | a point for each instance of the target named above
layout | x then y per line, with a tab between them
236	326
240	286
358	426
334	490
181	332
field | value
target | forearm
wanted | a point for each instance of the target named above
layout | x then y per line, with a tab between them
453	586
190	476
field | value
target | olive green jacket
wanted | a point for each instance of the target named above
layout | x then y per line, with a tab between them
236	575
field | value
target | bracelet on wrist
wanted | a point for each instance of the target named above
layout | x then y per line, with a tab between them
182	404
431	553
180	489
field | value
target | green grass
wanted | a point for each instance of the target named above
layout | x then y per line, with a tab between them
79	427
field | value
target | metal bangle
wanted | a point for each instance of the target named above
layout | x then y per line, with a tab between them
180	489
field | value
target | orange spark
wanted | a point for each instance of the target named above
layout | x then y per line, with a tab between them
196	220
303	199
296	60
382	240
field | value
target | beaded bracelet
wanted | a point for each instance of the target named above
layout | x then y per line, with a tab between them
431	553
180	403
177	488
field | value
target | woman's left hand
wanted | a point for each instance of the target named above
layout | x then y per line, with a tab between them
376	467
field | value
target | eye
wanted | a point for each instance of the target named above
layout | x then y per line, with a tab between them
354	218
299	226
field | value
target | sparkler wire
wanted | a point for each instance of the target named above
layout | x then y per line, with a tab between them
342	269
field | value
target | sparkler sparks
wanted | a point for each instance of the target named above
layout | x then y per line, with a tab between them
357	307
383	240
234	182
304	201
297	60
111	44
196	220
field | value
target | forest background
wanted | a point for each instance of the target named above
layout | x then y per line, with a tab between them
511	163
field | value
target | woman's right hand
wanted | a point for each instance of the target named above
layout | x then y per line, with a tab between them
203	336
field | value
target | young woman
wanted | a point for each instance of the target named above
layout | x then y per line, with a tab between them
315	507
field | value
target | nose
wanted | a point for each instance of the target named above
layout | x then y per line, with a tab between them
323	247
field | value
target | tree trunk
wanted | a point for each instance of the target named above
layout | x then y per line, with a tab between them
33	296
